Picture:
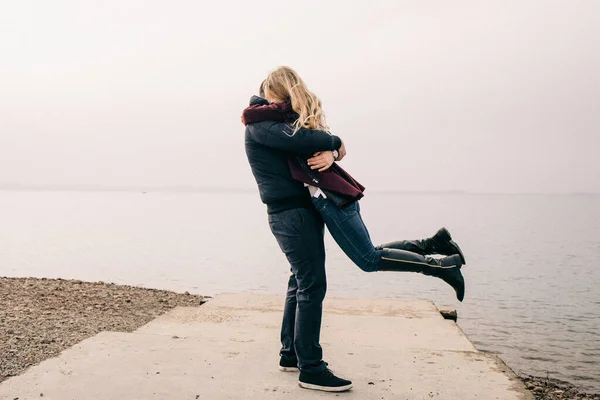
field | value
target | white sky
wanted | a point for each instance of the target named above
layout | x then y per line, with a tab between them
484	96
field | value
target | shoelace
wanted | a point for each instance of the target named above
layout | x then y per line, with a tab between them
328	373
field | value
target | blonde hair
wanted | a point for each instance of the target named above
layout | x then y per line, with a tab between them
286	84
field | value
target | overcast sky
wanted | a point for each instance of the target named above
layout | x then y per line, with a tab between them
482	96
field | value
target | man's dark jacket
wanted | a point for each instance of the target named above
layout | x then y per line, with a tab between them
268	145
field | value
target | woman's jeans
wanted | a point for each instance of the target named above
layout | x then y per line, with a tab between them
350	233
299	233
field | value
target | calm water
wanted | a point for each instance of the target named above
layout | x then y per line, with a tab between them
533	272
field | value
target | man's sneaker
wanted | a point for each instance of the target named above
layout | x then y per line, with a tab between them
324	380
288	365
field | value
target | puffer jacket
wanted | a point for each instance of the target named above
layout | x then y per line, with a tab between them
268	146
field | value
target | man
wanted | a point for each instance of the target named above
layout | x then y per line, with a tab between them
299	230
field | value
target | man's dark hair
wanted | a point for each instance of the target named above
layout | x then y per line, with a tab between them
261	90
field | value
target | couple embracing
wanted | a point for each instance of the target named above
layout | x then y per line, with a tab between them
293	159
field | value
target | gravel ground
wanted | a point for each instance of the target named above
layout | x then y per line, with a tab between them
39	318
552	389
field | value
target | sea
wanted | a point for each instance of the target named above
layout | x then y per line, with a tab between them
532	273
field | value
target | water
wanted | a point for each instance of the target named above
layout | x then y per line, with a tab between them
532	275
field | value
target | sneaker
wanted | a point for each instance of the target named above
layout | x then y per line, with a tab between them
288	365
324	380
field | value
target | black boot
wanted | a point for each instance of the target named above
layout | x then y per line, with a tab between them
447	268
440	243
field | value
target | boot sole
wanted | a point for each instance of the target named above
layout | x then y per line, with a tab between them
458	281
289	369
324	388
460	293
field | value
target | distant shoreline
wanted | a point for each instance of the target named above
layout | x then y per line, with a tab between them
122	189
216	189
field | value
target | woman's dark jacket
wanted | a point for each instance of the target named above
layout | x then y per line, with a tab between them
338	185
268	146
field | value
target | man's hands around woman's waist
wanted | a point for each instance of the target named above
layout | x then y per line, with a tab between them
322	160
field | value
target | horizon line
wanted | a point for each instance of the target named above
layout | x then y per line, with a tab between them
200	189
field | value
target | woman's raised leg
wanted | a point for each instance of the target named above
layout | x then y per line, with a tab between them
349	231
440	243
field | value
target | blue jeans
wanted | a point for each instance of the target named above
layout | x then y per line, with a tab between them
349	231
299	233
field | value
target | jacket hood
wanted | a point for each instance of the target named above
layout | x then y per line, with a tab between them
257	100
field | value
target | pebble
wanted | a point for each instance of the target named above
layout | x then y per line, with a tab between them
72	310
551	389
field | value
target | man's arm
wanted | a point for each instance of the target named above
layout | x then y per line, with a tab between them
282	137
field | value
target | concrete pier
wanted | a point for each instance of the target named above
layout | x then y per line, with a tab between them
227	349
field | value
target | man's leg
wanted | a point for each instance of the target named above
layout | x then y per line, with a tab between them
299	233
288	353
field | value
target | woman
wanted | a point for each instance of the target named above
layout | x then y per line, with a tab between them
288	99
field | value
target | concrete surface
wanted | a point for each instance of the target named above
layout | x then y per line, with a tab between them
227	349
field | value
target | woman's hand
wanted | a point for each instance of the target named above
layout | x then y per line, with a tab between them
321	160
